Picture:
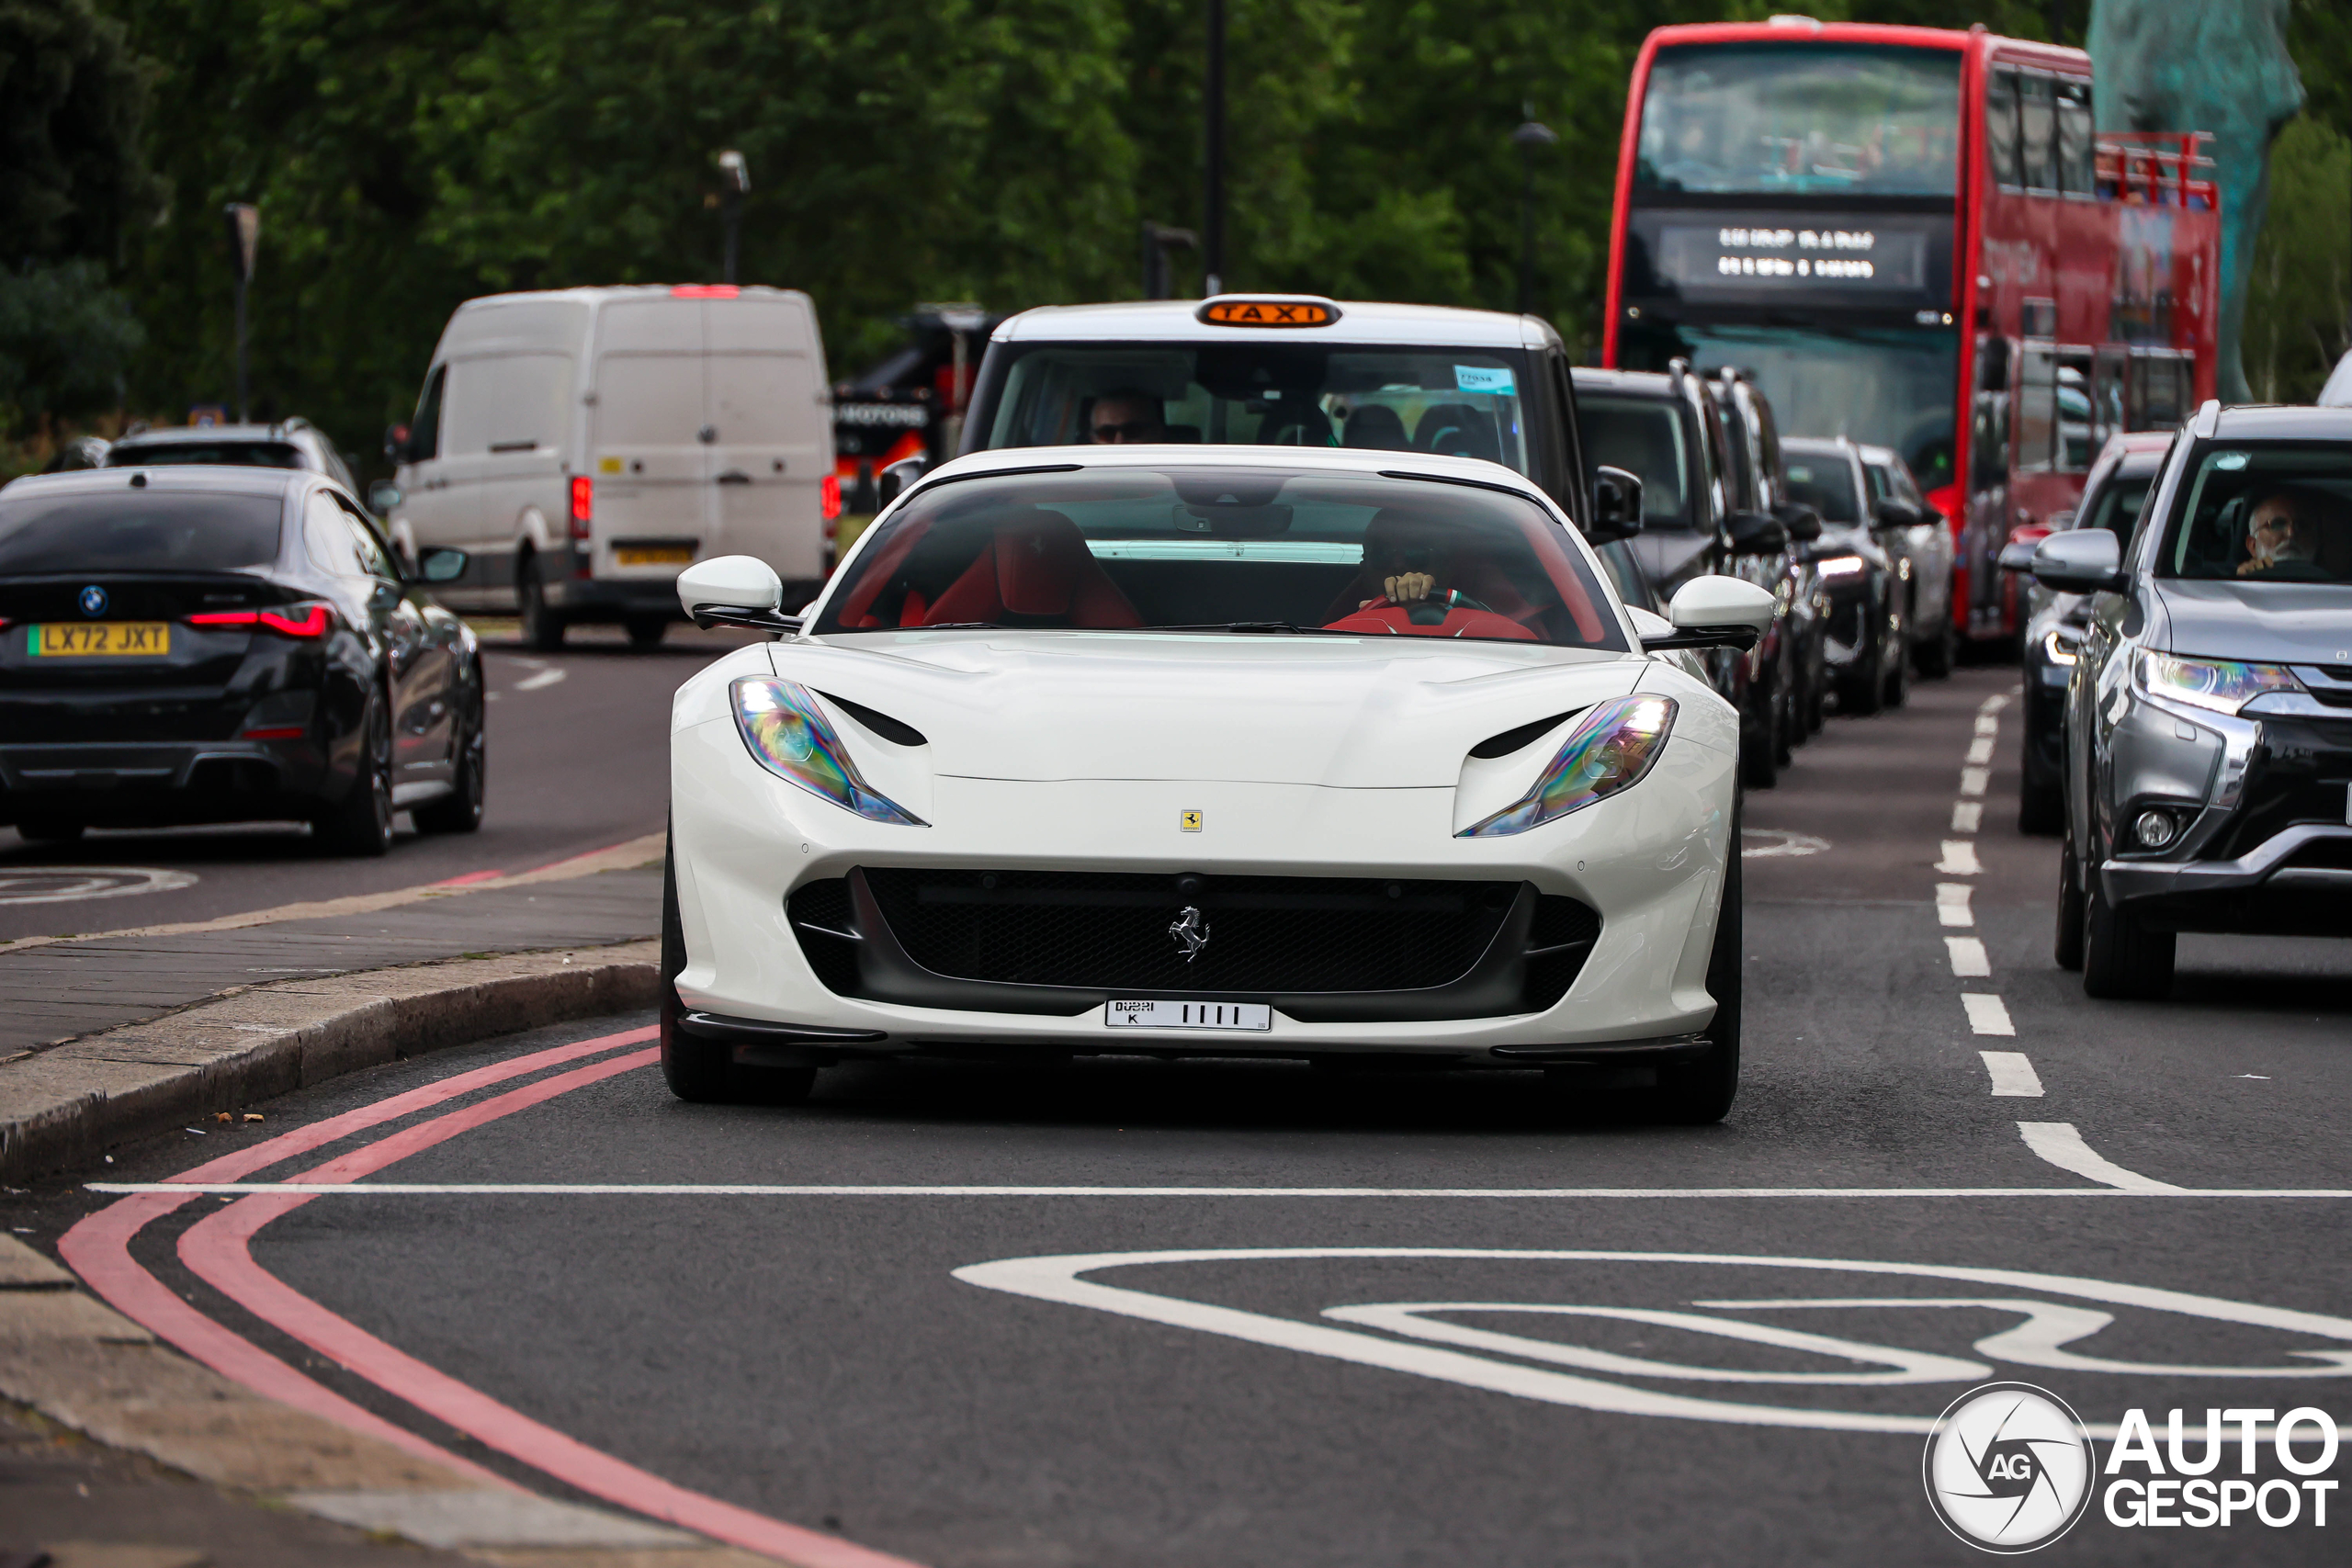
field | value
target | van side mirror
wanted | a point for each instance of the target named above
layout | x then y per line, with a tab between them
1616	505
735	591
1755	534
894	480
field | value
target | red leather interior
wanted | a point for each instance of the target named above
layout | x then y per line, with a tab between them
1396	619
1037	566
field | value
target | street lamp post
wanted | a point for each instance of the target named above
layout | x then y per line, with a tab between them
1213	185
244	241
737	175
1527	139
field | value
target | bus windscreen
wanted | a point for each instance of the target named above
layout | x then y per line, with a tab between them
1802	118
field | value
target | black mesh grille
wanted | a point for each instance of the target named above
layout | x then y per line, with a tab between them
816	910
1266	933
1558	945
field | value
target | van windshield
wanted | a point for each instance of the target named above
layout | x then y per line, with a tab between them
1464	402
1206	547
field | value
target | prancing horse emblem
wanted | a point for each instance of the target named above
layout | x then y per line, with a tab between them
1191	929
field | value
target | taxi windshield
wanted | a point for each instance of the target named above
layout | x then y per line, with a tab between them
1245	550
1462	402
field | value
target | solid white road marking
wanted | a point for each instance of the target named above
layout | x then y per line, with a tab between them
1987	1015
1973	780
1996	701
1952	904
784	1189
2058	1142
2012	1074
1774	843
1960	858
1987	725
541	681
72	883
1980	750
1968	959
1059	1280
1967	816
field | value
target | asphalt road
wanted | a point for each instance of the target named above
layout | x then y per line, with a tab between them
579	759
1612	1369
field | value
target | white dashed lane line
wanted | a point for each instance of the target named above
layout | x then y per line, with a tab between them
2058	1142
1980	750
1969	960
541	681
1960	858
1952	904
1967	816
1986	1013
1975	781
2012	1074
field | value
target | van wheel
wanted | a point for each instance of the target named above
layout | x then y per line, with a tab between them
646	631
542	627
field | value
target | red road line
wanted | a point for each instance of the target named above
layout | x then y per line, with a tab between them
470	877
218	1250
99	1249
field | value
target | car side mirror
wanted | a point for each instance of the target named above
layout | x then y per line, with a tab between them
1616	505
396	444
735	591
1755	534
894	480
1803	522
2018	553
1893	514
383	495
441	565
2082	560
1716	612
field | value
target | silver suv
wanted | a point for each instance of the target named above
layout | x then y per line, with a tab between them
291	444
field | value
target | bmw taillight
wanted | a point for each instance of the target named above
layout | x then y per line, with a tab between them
315	619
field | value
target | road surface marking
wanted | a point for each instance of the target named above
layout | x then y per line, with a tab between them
2047	1327
1952	904
72	883
1980	750
813	1190
1967	816
1987	725
541	681
1993	704
1778	843
1973	780
2012	1074
1968	959
2058	1142
1987	1015
1960	858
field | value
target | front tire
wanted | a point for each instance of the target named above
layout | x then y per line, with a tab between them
1700	1092
2041	809
1936	657
360	825
646	631
459	811
2066	945
2122	959
694	1069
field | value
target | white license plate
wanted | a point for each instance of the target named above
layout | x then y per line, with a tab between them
1258	1016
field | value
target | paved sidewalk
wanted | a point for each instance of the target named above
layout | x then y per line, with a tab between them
60	990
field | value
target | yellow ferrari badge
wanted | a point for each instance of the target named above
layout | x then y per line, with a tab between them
1190	821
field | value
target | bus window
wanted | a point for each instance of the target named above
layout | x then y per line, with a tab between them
2160	390
2036	113
2037	418
2075	416
1801	118
1989	442
2074	154
2107	395
2001	130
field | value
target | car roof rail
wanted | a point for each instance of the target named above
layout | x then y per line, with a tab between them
2209	418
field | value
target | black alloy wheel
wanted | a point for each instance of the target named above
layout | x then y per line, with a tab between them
646	631
542	627
704	1071
2067	943
2122	959
360	825
459	811
1700	1092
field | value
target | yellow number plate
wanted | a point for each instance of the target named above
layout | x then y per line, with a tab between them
654	555
121	639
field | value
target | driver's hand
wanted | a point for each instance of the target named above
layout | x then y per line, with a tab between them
1408	588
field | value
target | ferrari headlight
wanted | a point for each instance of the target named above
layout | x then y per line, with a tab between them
2223	685
790	737
1607	752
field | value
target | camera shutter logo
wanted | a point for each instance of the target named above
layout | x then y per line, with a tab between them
2009	1468
94	600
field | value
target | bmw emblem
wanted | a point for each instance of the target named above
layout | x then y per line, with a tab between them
94	600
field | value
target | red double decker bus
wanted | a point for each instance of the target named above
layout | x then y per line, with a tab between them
1912	237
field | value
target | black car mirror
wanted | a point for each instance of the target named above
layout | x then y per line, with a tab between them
1616	505
1803	523
2083	560
441	565
1755	534
1893	514
893	480
383	495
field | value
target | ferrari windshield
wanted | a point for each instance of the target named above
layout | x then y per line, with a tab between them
1246	550
2275	511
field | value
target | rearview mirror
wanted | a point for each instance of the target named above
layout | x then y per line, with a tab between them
734	591
1716	612
1754	534
1616	505
893	480
440	564
2083	560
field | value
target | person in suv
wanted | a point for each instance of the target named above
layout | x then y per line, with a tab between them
294	444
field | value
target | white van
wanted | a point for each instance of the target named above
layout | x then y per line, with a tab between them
583	444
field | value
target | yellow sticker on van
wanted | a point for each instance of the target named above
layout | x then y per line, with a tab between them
609	465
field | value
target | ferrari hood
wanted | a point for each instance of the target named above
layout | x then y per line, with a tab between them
1369	712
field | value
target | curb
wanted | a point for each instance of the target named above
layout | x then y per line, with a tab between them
68	1104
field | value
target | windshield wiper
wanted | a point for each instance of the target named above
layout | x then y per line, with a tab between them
1290	626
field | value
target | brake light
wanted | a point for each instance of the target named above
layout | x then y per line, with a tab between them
704	291
584	506
829	496
316	621
277	732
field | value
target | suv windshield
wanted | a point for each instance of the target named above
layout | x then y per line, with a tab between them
230	454
2270	513
137	531
1242	549
1463	402
1648	439
1823	480
1751	117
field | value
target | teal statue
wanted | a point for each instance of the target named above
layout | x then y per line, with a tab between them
2215	65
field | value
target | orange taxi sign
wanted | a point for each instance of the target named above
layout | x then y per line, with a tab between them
1270	312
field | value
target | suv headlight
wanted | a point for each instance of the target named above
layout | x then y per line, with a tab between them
1607	752
790	737
2223	685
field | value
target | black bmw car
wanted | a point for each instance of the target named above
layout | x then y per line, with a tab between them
221	645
